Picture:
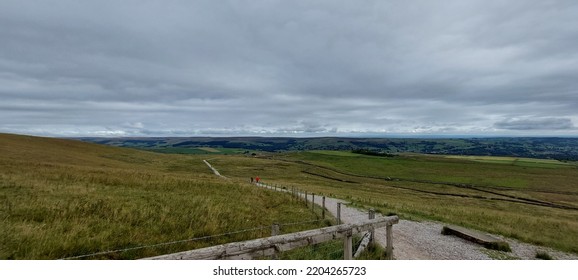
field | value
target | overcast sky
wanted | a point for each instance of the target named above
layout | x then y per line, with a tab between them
288	68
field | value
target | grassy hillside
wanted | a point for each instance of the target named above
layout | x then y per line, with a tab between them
63	198
535	202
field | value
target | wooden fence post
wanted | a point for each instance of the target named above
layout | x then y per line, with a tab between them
348	246
270	246
323	208
389	242
313	202
274	232
338	213
306	205
372	231
275	229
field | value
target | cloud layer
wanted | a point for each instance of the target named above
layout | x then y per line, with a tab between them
119	68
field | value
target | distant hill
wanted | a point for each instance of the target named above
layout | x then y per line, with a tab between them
531	147
54	150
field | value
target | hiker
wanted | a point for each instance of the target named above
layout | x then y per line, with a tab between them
251	180
257	179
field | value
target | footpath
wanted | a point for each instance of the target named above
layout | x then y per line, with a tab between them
423	240
411	240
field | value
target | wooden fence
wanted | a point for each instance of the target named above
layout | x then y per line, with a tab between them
270	246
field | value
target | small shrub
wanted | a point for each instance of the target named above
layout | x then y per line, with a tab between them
543	256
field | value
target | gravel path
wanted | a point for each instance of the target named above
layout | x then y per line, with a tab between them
424	241
215	171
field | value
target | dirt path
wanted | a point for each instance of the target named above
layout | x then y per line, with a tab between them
411	240
215	171
424	241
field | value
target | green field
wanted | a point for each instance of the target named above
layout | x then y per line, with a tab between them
529	202
527	162
63	198
197	151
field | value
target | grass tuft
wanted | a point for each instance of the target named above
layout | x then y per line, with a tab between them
543	256
499	246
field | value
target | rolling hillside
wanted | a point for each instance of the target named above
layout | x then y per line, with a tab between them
64	198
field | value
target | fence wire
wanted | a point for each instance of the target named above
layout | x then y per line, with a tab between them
165	243
187	240
280	188
301	223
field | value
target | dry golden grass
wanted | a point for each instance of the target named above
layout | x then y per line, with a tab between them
62	198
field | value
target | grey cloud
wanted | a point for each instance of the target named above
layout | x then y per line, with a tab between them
306	127
536	124
253	67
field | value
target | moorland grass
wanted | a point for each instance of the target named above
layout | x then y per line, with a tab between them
516	218
531	162
62	198
451	170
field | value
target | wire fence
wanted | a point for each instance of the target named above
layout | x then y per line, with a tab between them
261	228
301	223
288	224
282	226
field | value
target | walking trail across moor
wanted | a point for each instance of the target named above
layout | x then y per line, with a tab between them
423	240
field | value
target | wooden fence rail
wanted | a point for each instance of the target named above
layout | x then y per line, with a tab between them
270	246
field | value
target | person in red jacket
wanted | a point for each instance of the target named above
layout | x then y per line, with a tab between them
257	179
